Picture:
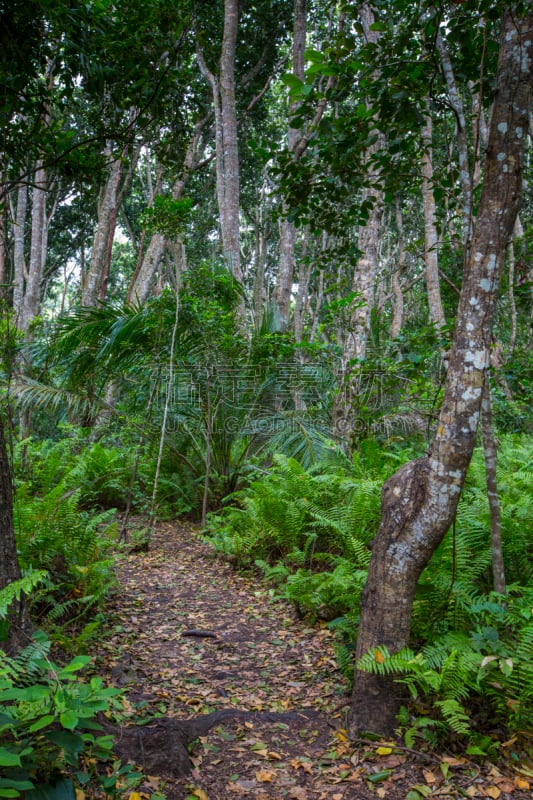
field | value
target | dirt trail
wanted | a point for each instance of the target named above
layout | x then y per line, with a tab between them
258	657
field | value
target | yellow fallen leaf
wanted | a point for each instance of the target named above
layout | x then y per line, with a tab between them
384	751
274	756
379	657
429	777
80	794
522	784
133	796
200	794
265	776
471	791
492	791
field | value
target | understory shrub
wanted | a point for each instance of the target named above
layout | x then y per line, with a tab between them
51	741
55	534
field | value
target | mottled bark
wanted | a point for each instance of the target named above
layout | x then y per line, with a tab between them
95	279
39	235
19	625
226	138
397	293
19	257
431	237
419	502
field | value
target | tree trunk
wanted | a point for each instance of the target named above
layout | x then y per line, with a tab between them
39	223
397	293
431	239
19	625
142	279
96	278
287	229
419	502
356	336
19	258
226	138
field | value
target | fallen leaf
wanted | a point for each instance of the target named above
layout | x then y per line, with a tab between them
522	784
80	794
384	751
297	793
492	791
200	794
471	791
133	796
429	777
265	775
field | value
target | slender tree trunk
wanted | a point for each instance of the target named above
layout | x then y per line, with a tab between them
397	293
226	138
19	624
96	278
431	238
141	282
419	502
456	102
19	257
356	335
39	222
287	229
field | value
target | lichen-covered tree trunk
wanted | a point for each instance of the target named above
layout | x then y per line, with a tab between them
19	259
419	502
226	138
96	277
30	303
431	238
19	625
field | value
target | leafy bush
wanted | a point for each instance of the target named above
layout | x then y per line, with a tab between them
51	740
494	660
72	546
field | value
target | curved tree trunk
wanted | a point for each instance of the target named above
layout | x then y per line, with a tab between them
419	502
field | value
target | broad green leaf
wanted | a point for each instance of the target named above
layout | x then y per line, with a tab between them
69	720
76	664
9	759
41	723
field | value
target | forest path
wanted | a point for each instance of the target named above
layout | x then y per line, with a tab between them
259	658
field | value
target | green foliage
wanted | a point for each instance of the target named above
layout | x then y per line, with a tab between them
48	723
57	535
296	514
494	660
309	529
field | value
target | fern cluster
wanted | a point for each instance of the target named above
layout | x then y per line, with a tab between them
295	515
